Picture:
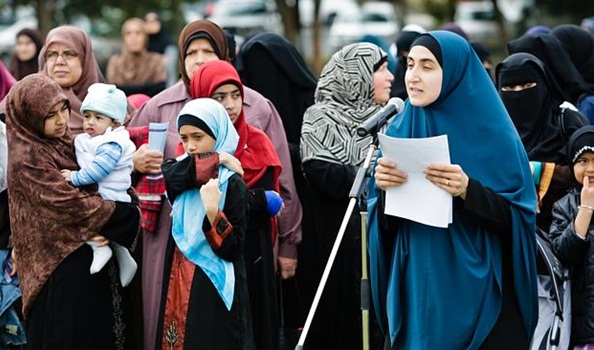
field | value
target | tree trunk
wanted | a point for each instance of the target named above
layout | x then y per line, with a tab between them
316	38
289	17
45	14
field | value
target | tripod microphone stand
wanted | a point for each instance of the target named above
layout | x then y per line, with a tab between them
354	194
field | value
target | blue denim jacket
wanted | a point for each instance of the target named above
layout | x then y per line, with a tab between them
12	332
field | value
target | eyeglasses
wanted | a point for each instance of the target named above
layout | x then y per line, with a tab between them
52	56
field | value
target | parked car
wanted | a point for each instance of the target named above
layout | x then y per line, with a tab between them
247	17
477	19
374	17
329	10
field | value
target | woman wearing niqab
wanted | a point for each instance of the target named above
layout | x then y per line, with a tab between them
543	125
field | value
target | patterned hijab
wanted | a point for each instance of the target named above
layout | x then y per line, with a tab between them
534	111
49	217
77	40
470	112
188	211
254	150
206	29
344	99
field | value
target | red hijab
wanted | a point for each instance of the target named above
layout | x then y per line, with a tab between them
255	150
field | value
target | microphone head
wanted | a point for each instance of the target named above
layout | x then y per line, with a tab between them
397	101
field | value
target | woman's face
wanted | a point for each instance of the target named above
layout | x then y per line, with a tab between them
195	140
134	37
56	121
198	52
230	97
382	84
25	48
63	64
423	77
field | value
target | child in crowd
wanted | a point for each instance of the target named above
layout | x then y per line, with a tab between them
104	153
571	233
205	304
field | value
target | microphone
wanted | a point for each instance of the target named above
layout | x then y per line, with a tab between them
394	106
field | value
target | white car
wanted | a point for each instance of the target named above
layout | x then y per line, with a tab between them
247	17
329	9
477	19
374	18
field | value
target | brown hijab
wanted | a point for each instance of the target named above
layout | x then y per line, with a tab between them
141	67
206	29
49	217
78	41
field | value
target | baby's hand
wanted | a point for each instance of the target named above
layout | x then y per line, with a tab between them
66	174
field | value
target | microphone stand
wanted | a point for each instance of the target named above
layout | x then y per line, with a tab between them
355	193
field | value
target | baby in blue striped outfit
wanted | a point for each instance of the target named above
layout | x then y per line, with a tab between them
104	154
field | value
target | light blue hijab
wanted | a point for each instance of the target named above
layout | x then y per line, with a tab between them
188	211
438	288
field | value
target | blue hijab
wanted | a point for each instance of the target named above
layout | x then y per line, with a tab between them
435	287
188	211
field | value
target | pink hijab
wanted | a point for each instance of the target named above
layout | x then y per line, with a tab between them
6	81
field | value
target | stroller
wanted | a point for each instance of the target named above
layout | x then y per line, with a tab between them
553	330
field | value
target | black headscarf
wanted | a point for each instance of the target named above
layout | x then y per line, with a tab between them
581	141
271	65
550	51
535	111
403	43
159	41
579	44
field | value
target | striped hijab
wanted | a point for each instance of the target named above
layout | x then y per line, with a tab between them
344	99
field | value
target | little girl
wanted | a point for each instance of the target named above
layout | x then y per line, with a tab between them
571	233
205	301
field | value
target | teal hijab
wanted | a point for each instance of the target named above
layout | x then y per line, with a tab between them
188	210
437	288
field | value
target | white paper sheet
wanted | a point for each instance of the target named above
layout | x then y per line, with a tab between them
157	136
418	199
156	141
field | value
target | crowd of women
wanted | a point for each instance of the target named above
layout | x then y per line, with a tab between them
231	224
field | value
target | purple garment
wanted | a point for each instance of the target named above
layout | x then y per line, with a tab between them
163	107
584	347
260	112
454	28
538	29
6	82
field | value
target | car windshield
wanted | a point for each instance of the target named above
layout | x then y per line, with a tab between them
482	15
232	8
374	17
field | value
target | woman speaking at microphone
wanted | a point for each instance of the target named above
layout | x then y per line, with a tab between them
353	86
471	285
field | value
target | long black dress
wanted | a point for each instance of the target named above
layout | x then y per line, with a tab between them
77	310
337	323
260	267
208	323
